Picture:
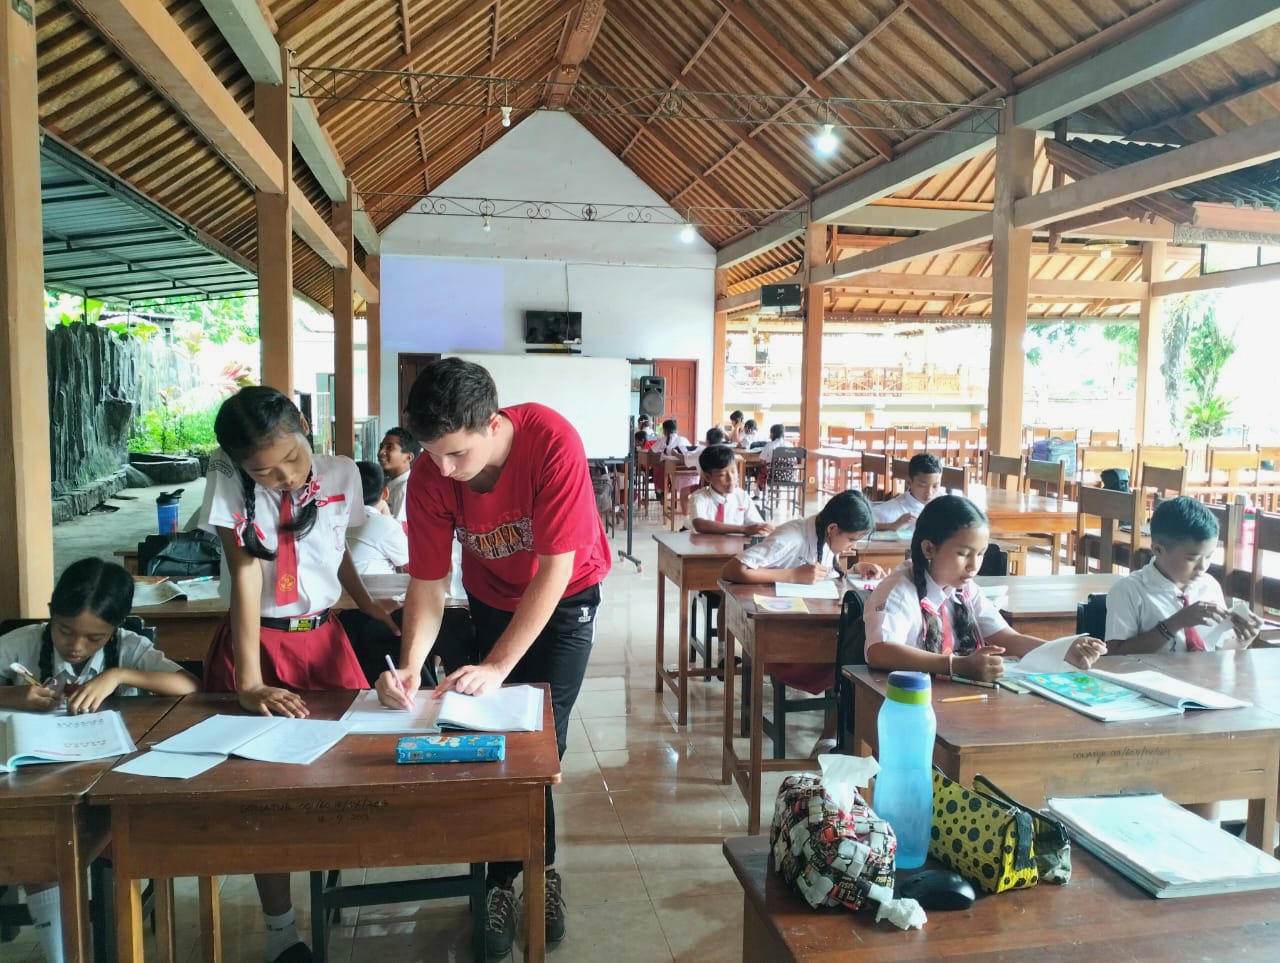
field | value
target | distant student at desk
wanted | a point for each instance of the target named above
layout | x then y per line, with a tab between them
721	507
396	455
750	434
736	428
83	655
379	546
1163	606
776	440
671	439
715	436
924	482
929	616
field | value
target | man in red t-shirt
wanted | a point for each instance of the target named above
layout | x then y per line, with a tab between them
513	485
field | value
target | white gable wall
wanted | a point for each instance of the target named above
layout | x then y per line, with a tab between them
449	285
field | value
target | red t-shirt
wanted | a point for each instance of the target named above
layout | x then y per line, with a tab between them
542	504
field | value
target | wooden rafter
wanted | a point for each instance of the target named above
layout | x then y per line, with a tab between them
317	15
580	35
407	41
972	50
1224	100
767	38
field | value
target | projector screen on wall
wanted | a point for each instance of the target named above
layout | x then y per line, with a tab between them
593	393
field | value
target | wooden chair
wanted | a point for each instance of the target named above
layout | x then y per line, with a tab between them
964	448
1160	482
906	442
900	474
1104	439
840	437
1235	582
1066	434
786	479
1049	479
1264	590
955	480
1031	435
1227	467
1002	469
1162	456
871	439
1091	462
875	475
1270	453
1112	509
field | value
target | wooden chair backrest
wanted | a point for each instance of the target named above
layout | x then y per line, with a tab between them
1112	509
1228	519
871	439
1032	435
843	437
934	434
1162	456
1003	468
965	439
1266	538
1270	453
1104	439
875	474
955	480
908	441
1047	478
1165	482
1091	461
1225	466
1066	434
900	470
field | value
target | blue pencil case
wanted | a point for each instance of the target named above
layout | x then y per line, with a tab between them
451	748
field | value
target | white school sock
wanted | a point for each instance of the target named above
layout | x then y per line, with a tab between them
45	910
282	933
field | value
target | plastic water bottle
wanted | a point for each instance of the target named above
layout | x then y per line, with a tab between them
904	788
167	511
1248	522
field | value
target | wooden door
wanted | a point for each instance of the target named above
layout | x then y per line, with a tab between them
408	367
682	394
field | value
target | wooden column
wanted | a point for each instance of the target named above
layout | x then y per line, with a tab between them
26	519
719	350
373	343
344	333
1010	268
816	252
1148	422
273	116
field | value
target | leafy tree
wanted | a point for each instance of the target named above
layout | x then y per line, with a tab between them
1208	350
1124	336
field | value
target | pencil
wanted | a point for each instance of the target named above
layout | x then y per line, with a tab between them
982	697
23	671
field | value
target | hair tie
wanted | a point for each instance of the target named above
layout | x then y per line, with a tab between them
241	523
306	493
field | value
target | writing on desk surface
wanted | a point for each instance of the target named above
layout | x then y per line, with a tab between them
1130	753
335	810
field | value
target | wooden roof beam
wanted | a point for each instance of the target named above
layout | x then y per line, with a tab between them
1206	158
580	36
969	232
756	243
767	38
1219	279
954	35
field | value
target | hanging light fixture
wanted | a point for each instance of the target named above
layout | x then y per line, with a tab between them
688	234
506	115
826	143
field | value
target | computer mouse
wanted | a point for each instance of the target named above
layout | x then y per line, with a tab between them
938	889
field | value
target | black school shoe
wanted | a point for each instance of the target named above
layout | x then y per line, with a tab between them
298	953
501	912
555	908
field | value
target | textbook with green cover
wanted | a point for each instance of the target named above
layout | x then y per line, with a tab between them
1122	696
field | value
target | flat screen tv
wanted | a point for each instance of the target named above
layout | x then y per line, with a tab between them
553	327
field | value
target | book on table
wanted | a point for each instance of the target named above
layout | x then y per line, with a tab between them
29	738
1124	696
167	590
1162	847
511	708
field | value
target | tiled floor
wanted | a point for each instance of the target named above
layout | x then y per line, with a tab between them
641	815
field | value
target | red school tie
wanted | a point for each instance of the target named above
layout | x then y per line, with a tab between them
286	555
720	512
1194	642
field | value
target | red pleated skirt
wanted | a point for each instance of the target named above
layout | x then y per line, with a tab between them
813	677
312	661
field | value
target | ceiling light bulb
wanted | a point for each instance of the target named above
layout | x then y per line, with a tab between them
506	115
1105	253
826	143
486	222
687	234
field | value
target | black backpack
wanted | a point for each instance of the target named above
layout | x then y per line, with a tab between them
180	555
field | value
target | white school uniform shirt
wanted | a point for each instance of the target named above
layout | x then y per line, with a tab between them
1141	599
892	612
663	445
739	509
895	508
749	438
397	504
691	457
339	502
766	453
794	543
380	545
23	645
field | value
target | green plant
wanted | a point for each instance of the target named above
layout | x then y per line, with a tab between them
172	429
1208	350
1205	420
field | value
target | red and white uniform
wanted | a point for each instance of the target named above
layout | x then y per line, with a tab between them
893	611
735	508
542	504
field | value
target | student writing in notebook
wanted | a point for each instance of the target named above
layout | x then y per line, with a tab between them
1172	603
282	514
721	507
81	654
930	616
924	483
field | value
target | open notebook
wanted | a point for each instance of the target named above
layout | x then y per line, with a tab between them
1121	696
512	708
27	738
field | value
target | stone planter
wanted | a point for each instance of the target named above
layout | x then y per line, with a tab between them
166	469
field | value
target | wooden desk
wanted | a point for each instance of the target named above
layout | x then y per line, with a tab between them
1045	605
47	835
693	562
837	469
1033	748
1098	915
768	637
353	807
885	552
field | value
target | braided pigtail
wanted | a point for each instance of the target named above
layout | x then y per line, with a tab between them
46	653
249	535
111	652
304	518
962	625
932	624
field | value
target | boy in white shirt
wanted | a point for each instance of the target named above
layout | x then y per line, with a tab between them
924	483
715	436
396	455
721	508
379	546
1171	603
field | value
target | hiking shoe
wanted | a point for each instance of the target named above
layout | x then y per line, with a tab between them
501	911
555	908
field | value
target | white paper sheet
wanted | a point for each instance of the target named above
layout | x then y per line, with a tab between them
220	735
198	589
368	715
170	765
1050	657
826	589
297	741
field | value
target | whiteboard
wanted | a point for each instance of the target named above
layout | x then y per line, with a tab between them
593	393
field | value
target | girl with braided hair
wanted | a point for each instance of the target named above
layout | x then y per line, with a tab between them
83	655
281	513
929	616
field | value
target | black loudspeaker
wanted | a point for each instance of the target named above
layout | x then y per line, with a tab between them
653	396
780	296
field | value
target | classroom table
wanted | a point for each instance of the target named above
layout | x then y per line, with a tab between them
352	807
693	563
767	637
1098	915
837	469
47	834
1033	748
1045	605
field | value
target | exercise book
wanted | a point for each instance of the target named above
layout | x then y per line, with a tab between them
512	708
28	738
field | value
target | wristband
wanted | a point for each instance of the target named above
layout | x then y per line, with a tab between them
1164	630
951	663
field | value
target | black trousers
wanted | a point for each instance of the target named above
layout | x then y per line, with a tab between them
557	657
372	642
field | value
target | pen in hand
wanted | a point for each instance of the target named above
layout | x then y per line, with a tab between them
395	677
20	669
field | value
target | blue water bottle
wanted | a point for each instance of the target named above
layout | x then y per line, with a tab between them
904	788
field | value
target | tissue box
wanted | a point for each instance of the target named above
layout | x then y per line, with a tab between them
451	748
